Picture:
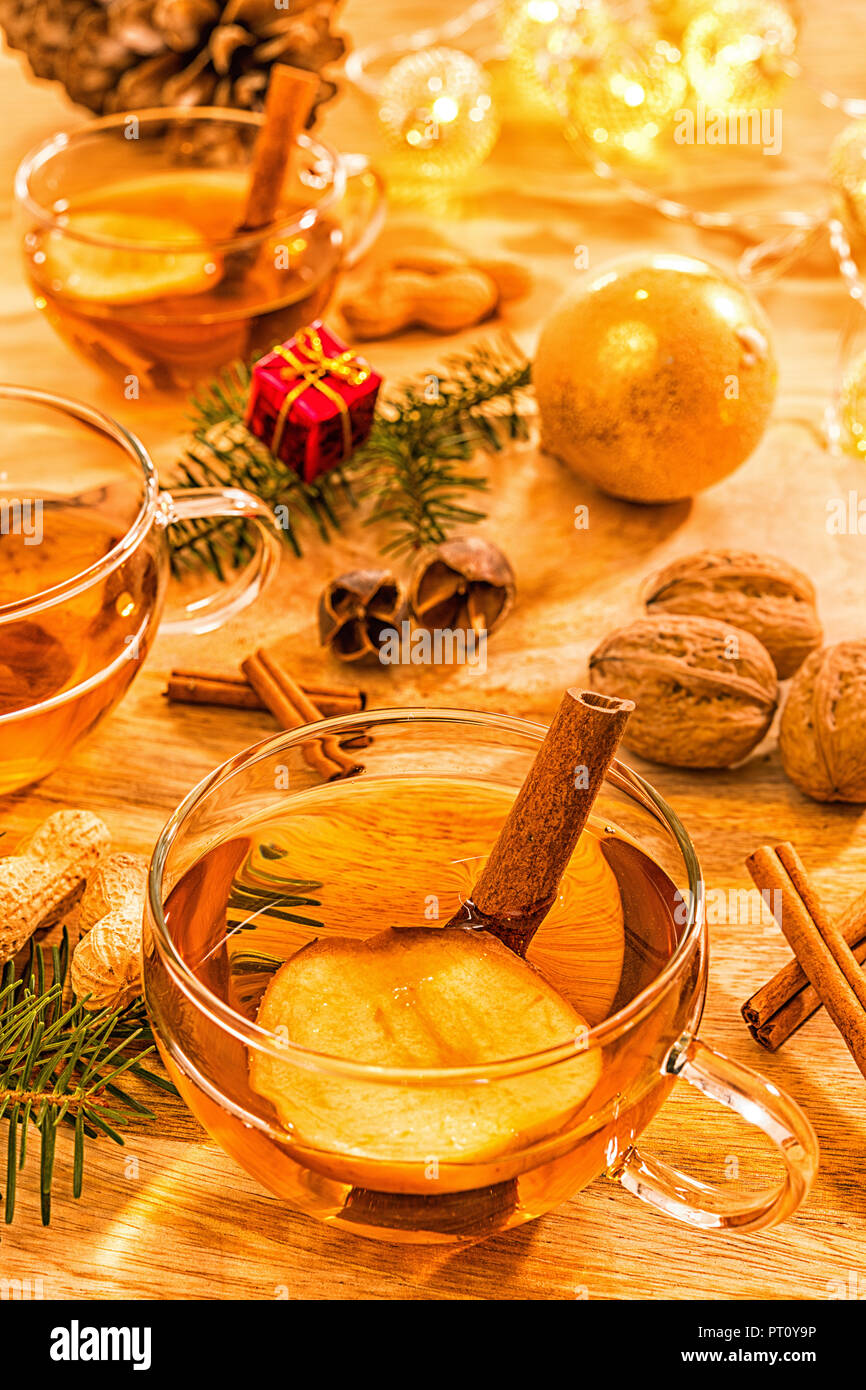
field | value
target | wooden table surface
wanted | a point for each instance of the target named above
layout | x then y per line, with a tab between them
169	1216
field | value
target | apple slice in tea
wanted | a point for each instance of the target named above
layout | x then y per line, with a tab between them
352	840
453	996
422	997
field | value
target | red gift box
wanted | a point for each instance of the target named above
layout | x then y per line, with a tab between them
311	401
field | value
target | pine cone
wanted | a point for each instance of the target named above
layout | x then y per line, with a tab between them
122	55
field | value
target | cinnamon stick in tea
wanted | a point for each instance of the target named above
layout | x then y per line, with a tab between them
520	880
825	956
291	93
781	1006
235	692
285	699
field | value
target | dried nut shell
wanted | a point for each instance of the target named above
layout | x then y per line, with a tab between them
456	300
512	280
120	879
399	299
355	610
705	692
463	583
758	593
822	734
106	963
46	875
431	260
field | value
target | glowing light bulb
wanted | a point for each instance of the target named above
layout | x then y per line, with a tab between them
543	11
445	109
626	99
736	54
547	38
436	108
674	16
848	174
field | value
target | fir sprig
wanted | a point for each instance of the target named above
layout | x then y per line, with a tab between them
223	453
61	1065
407	469
423	430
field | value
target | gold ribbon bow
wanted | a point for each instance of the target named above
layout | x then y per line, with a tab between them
312	370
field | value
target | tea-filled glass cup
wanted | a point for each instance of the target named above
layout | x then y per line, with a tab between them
84	563
265	857
129	230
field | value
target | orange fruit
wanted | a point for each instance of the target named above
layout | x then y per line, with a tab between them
655	378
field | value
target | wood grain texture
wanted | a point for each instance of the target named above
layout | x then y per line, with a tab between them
169	1215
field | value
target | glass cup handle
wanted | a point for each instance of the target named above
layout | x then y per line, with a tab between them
365	216
198	503
762	1105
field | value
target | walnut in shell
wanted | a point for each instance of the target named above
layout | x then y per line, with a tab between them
759	593
355	610
705	692
463	583
822	734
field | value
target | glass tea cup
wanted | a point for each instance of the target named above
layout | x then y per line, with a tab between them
129	237
263	857
83	568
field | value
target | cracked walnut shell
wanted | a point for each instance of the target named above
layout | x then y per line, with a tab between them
822	735
705	692
759	593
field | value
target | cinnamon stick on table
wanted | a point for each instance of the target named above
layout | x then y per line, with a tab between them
520	881
235	692
819	946
279	690
781	1006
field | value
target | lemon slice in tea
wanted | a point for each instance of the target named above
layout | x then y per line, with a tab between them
126	273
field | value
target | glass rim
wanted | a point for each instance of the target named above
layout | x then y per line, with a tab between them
134	449
42	153
252	1034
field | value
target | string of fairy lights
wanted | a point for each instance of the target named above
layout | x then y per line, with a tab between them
615	74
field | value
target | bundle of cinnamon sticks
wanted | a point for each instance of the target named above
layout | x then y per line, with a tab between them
828	955
234	691
266	683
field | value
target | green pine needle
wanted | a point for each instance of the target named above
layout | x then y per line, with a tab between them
409	470
60	1064
424	431
223	453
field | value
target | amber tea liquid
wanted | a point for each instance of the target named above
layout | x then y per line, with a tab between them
171	316
61	668
349	859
